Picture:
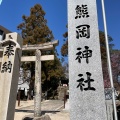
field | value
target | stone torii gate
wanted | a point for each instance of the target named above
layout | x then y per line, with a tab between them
37	58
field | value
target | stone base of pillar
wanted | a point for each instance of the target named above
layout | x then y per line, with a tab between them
43	117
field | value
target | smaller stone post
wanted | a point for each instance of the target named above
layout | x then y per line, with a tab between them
37	88
19	92
9	75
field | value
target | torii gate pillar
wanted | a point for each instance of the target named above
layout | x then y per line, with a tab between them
37	87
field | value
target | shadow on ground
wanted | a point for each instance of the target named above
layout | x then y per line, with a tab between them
28	118
45	117
42	112
31	117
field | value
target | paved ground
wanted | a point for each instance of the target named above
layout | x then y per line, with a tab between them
54	108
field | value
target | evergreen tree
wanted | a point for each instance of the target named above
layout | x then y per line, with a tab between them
34	30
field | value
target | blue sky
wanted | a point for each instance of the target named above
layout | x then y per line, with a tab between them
11	12
112	9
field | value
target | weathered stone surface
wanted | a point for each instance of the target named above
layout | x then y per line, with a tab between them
9	76
44	46
87	100
33	58
37	88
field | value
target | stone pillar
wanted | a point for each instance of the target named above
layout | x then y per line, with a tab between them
87	100
37	88
109	108
9	75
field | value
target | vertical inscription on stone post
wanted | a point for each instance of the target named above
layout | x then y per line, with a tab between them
87	101
9	76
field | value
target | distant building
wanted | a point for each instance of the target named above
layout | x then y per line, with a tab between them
3	32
